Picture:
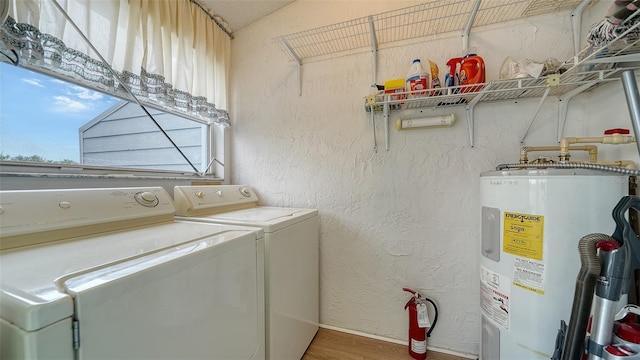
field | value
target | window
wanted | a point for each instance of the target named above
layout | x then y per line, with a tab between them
40	116
63	103
44	119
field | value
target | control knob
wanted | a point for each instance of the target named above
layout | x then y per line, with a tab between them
245	192
146	198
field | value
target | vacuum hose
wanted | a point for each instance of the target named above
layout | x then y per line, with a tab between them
583	296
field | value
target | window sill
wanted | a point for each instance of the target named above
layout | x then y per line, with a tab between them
31	176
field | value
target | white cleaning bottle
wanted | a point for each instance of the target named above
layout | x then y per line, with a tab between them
418	80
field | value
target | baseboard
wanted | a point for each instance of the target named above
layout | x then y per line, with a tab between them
396	341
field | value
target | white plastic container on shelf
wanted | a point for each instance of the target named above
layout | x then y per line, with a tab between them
418	79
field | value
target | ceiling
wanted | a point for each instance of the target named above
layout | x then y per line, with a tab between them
240	13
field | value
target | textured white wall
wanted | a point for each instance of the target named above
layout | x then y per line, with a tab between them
409	216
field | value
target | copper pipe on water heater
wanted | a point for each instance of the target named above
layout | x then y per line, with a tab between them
606	139
592	149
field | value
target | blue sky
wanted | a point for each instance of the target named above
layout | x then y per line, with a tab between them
40	115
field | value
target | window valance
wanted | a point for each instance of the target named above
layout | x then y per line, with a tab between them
169	53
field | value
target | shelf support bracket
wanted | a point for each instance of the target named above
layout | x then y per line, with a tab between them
470	122
552	81
533	118
564	105
298	60
576	25
371	103
470	113
467	28
373	126
385	116
374	49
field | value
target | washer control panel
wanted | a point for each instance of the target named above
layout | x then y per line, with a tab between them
32	211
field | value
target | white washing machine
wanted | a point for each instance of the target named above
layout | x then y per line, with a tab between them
291	259
109	274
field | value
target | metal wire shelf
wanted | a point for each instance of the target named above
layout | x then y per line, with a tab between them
624	48
564	86
427	19
510	89
591	67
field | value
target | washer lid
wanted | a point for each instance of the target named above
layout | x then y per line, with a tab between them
271	219
31	293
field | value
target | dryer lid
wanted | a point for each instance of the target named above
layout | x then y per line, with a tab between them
271	219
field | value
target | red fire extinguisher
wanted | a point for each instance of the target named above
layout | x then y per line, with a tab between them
420	327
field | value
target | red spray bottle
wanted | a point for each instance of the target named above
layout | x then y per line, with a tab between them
451	78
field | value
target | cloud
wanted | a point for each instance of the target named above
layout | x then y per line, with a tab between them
63	103
78	91
34	82
84	94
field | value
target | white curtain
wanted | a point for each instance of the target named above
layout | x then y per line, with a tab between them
170	53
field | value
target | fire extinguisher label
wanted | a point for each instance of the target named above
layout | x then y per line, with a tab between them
419	346
423	317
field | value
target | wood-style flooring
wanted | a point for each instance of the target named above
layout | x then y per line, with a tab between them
336	345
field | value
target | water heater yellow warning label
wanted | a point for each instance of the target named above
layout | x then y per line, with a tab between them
523	235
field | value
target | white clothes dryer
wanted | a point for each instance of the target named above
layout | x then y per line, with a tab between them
291	259
110	274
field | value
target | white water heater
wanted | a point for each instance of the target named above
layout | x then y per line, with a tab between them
532	221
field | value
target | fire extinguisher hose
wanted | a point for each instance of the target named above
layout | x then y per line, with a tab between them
416	295
435	317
